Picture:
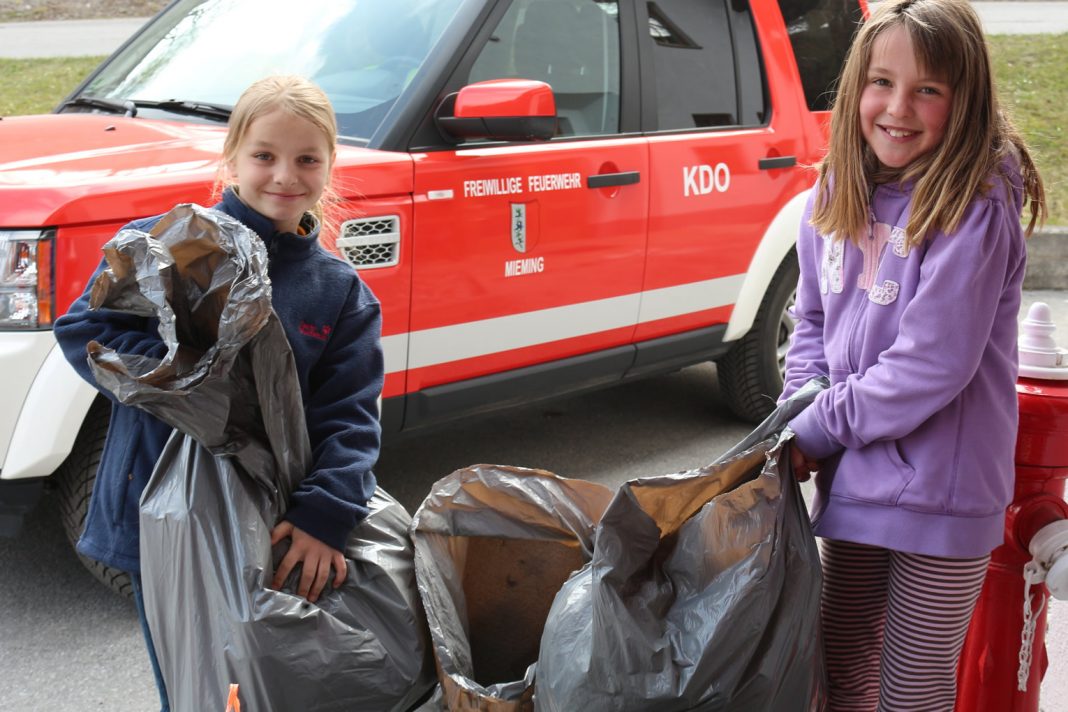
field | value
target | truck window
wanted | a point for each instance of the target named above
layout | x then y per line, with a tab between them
820	32
706	64
363	54
573	45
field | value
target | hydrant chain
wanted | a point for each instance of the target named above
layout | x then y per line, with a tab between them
1033	575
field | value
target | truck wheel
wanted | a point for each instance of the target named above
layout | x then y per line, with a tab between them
751	373
75	478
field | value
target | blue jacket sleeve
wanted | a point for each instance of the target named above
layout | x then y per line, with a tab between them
343	425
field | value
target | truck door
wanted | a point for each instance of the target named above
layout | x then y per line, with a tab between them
527	253
722	161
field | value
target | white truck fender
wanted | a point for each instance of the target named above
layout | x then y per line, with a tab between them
49	420
774	245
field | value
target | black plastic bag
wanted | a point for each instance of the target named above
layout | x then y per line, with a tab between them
702	594
695	591
228	385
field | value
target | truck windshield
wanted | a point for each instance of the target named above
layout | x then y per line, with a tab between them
363	53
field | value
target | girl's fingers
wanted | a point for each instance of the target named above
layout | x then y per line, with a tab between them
341	569
309	578
321	575
280	532
316	559
280	574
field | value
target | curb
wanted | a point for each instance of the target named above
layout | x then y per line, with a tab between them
1047	259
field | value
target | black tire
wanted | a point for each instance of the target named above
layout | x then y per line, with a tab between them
751	373
74	481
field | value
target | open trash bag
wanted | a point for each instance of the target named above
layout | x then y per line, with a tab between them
493	545
703	593
696	591
227	384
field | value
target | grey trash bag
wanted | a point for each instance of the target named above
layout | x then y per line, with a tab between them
702	594
493	545
228	385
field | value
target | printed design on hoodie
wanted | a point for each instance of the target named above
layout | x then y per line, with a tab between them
831	265
873	250
899	243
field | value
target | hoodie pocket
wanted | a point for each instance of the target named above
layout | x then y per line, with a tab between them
876	473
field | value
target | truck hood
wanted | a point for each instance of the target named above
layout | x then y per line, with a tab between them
65	169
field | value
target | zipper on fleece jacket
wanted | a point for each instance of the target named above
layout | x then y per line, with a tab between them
851	361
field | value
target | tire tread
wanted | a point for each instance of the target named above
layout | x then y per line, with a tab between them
74	484
748	383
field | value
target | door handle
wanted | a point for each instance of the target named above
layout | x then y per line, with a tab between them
608	180
777	162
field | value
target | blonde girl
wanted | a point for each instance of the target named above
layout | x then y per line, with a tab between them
277	161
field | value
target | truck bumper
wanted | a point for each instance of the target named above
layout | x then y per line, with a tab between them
43	405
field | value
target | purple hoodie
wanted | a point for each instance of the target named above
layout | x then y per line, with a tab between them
917	431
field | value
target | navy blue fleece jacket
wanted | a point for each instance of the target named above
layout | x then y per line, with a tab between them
333	323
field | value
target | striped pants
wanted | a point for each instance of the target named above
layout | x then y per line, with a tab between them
894	625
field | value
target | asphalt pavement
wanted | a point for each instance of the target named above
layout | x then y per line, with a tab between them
65	38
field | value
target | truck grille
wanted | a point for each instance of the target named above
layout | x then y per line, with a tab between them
370	243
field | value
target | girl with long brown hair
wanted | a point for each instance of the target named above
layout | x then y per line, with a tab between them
912	260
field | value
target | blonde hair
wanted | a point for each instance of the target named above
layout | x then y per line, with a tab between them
947	38
291	93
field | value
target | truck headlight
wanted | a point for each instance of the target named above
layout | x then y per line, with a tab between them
26	289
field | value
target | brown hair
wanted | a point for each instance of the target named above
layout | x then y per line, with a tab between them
296	95
947	35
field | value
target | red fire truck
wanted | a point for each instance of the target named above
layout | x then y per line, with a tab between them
546	195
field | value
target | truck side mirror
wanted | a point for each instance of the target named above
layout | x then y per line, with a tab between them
499	109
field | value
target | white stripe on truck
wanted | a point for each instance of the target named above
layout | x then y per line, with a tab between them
456	342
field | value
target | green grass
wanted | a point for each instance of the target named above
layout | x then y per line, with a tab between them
35	86
1034	88
1029	70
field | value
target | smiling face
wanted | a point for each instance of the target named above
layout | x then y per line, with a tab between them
903	106
281	167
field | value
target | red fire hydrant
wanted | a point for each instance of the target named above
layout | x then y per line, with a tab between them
1004	656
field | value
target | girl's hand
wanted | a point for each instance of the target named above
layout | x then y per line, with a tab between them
316	557
803	465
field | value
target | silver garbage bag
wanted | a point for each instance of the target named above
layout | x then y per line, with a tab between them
702	593
228	385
